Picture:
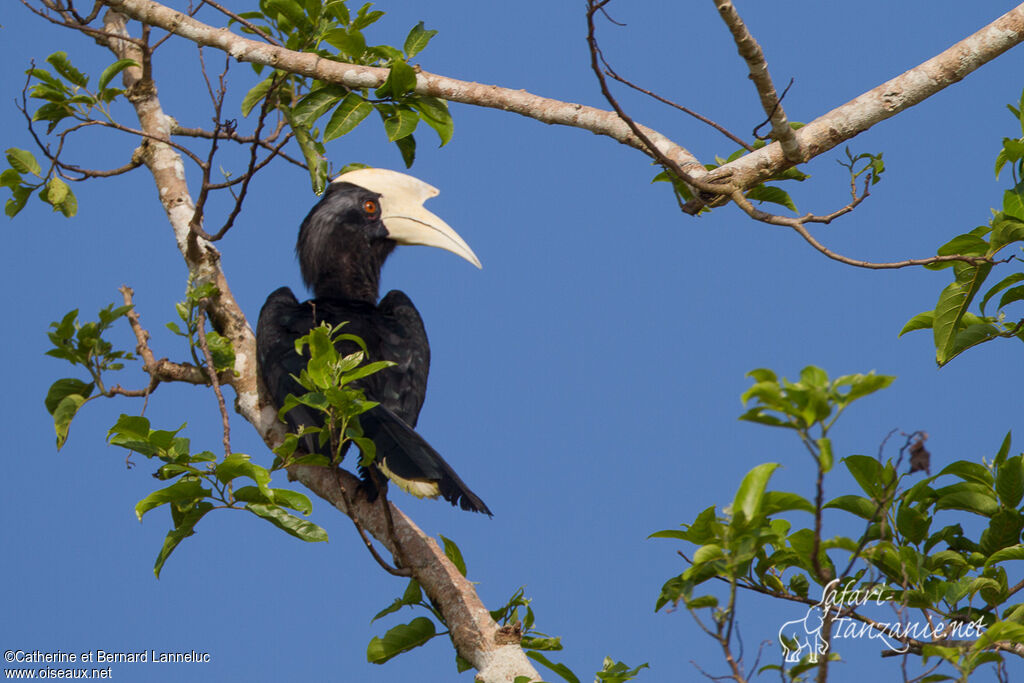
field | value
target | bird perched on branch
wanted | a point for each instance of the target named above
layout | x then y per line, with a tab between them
343	243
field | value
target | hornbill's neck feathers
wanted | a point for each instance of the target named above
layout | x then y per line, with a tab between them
363	215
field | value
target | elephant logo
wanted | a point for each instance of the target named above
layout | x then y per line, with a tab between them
807	636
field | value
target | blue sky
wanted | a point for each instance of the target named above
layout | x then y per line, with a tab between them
585	383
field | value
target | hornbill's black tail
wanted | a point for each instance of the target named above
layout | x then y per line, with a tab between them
412	463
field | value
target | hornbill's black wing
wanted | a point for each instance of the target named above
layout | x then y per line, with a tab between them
392	331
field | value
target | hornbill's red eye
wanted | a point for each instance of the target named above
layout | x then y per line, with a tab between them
370	207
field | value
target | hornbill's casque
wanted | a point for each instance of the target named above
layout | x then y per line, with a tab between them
343	242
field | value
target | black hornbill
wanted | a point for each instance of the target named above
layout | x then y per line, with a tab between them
343	243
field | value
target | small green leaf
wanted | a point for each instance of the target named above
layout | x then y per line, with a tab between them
55	193
299	528
183	530
283	497
856	505
316	104
180	492
23	161
452	552
349	114
750	494
1015	552
113	70
399	639
1010	481
256	94
559	668
401	124
772	194
434	112
60	62
921	321
66	387
63	414
417	39
400	81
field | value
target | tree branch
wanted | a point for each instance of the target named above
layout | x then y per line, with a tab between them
817	137
476	636
770	101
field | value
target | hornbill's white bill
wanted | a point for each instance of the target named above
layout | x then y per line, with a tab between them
401	206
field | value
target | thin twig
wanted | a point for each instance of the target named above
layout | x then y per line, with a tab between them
211	371
717	126
395	571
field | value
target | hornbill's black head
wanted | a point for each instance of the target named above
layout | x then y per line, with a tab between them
363	215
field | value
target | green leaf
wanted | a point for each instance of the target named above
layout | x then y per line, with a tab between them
434	112
417	39
782	501
299	528
60	62
399	639
412	596
921	321
452	552
256	94
63	414
867	471
559	668
1000	286
400	81
113	70
969	471
1010	481
184	529
23	161
750	494
856	505
912	523
55	193
317	103
774	195
240	465
349	114
66	387
283	497
401	124
1015	552
180	492
969	497
407	147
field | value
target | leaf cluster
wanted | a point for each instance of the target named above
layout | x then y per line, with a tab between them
202	483
82	344
329	378
334	32
188	313
65	94
945	573
517	613
955	328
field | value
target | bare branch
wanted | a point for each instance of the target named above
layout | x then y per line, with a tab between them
689	112
770	101
211	372
814	139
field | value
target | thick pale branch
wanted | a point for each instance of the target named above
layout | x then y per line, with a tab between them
476	636
754	57
819	136
888	99
356	76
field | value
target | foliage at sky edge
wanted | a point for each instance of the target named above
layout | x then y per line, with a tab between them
953	575
67	99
